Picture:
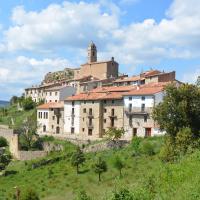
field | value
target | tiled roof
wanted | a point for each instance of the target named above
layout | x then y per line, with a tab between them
129	79
113	89
51	105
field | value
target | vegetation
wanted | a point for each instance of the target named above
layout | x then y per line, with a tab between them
3	142
119	164
77	159
100	167
30	194
114	133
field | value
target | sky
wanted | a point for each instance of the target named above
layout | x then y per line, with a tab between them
40	36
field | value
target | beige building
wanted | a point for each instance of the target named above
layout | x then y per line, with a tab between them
50	119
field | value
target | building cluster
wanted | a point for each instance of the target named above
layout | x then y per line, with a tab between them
98	98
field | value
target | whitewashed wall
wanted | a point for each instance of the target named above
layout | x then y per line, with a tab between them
68	117
41	122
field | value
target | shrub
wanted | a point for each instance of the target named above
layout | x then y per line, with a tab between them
30	194
168	152
82	195
147	147
123	194
3	142
135	143
28	104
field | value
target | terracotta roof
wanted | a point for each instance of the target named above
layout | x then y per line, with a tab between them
144	91
113	89
51	105
151	73
95	96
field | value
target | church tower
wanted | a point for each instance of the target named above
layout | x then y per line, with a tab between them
92	53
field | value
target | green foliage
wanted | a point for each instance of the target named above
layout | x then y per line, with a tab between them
3	142
82	195
28	104
119	164
100	167
30	194
180	108
77	159
135	144
114	133
4	160
122	194
198	81
148	148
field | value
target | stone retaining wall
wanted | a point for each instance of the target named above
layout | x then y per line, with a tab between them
30	155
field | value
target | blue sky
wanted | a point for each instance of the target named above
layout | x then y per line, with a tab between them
41	36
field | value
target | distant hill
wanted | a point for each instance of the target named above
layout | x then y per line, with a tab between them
4	103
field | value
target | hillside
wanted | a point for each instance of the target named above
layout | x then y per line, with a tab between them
144	175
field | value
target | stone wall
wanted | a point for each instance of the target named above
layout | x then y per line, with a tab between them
30	155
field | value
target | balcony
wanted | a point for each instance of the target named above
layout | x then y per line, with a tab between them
90	125
138	111
90	115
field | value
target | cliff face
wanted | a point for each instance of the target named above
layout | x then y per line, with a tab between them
66	74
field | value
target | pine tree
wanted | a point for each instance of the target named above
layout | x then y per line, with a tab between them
119	165
77	159
99	167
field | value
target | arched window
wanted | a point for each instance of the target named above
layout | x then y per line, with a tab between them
44	128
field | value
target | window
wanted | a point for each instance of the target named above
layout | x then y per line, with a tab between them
72	130
104	120
130	121
105	110
90	132
130	98
72	103
104	101
72	111
130	107
145	118
44	128
53	117
143	98
93	102
113	101
84	102
56	100
50	93
90	111
134	131
143	107
52	127
46	115
112	120
57	130
56	93
84	110
83	129
113	112
83	119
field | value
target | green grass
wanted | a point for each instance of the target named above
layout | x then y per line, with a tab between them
146	176
12	113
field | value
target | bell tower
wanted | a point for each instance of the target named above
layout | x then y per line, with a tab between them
92	53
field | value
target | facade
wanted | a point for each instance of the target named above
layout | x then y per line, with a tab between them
152	76
50	119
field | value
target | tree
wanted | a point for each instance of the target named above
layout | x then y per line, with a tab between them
30	194
14	100
180	108
27	131
77	159
3	142
28	104
100	167
114	133
198	81
119	164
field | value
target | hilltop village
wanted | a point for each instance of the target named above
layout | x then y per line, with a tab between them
83	103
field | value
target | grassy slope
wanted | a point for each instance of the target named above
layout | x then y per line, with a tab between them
144	174
17	116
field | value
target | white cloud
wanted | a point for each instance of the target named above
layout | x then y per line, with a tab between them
24	71
191	77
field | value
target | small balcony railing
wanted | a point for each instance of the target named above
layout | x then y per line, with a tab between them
138	111
90	115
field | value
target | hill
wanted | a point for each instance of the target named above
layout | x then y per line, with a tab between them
145	175
4	103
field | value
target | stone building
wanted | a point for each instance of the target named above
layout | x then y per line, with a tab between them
50	118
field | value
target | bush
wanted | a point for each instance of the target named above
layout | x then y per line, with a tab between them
123	194
147	147
28	104
30	194
168	152
135	143
3	142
